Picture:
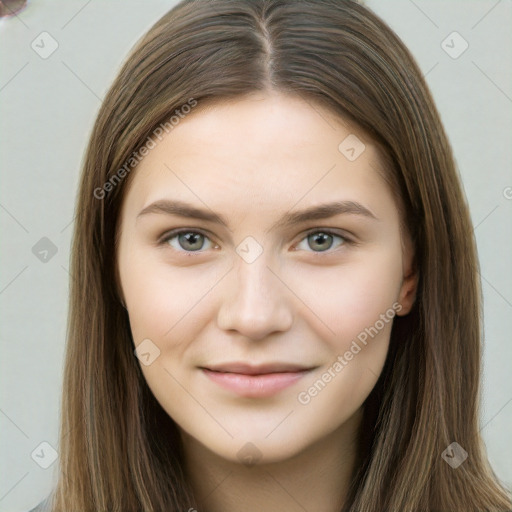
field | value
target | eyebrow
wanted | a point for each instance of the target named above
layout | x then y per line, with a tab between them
323	211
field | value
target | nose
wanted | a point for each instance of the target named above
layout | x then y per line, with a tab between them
255	302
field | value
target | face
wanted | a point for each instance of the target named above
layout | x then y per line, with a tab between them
253	282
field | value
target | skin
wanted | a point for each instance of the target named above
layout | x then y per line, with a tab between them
253	160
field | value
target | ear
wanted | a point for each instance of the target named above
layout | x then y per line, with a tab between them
409	286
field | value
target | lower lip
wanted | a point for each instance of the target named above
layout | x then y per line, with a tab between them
255	386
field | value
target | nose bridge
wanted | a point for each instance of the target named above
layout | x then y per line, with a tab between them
256	302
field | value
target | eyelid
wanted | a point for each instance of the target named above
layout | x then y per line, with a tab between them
178	231
168	235
346	235
347	240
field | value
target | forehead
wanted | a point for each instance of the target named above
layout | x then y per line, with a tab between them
262	150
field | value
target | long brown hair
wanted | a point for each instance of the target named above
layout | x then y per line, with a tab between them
119	450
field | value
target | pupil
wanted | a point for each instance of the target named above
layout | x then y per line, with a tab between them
323	236
191	239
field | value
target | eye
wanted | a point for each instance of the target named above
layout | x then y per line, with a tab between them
322	240
191	241
186	240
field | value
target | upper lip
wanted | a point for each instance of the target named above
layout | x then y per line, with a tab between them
248	369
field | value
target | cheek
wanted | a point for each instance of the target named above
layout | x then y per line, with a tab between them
162	298
333	396
345	300
358	304
361	318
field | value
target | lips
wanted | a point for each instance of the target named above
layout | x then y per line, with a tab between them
259	381
261	369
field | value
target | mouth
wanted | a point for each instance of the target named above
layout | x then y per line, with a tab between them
256	381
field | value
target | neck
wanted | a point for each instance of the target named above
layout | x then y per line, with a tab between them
317	478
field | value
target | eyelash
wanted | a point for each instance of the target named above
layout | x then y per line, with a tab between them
173	234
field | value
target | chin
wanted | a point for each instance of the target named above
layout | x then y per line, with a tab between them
254	449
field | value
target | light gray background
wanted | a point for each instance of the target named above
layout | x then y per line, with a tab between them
47	110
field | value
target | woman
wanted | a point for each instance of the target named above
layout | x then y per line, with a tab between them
218	359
